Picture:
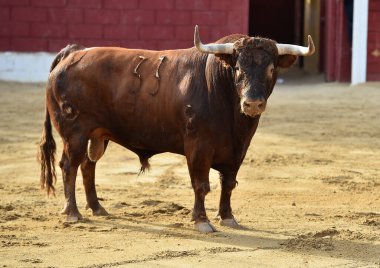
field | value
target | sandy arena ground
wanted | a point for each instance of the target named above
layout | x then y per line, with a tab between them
308	193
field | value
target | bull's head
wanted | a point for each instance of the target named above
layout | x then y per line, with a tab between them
255	62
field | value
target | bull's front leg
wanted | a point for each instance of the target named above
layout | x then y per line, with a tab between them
199	164
228	183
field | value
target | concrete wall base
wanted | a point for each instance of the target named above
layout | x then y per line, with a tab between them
25	67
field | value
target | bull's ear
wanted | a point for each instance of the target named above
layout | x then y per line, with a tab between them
227	59
285	61
231	59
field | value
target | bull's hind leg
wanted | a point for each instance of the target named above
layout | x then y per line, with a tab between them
199	166
228	183
73	154
88	172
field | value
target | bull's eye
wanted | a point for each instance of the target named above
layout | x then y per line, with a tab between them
270	71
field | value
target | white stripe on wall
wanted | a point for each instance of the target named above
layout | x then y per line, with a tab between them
25	67
359	42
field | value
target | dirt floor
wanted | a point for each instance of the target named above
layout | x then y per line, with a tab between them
308	193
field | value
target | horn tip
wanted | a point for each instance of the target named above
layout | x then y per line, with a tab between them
309	39
196	30
196	36
311	44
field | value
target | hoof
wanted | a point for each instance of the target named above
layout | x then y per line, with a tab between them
100	212
73	215
204	227
74	218
65	210
230	223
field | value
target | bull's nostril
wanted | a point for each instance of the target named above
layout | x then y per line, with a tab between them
245	104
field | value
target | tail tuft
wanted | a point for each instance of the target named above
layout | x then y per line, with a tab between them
144	164
46	157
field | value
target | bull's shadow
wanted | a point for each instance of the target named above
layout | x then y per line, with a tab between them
245	237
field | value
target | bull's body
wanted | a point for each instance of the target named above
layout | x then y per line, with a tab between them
204	106
149	115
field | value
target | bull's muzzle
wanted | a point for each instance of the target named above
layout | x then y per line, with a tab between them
253	107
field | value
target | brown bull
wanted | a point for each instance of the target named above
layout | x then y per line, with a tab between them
203	102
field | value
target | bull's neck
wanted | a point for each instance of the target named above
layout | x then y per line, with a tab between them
241	126
244	129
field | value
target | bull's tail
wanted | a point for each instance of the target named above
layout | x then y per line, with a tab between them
47	157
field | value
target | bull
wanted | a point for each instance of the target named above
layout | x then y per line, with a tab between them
203	102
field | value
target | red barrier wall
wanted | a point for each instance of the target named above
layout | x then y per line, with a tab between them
373	46
49	25
338	51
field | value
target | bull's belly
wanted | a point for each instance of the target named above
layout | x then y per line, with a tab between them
152	139
155	142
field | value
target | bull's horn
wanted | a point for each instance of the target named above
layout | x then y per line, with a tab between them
227	48
285	49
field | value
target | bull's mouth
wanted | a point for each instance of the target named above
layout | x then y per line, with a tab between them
252	108
251	114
